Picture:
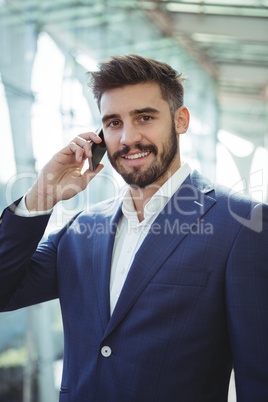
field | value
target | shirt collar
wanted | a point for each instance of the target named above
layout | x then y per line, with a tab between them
158	200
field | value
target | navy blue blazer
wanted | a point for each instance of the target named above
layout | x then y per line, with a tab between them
194	304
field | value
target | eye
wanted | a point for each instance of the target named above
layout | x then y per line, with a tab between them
114	123
146	118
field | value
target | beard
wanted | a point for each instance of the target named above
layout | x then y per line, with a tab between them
142	178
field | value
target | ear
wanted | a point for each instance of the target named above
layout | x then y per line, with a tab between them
182	120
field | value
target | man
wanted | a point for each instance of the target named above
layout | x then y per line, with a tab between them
161	304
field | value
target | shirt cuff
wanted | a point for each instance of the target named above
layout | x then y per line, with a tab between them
21	210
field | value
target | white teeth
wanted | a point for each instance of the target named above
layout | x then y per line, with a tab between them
136	156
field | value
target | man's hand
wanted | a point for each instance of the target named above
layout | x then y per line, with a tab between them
61	177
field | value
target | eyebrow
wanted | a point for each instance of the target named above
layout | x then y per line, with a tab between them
132	113
107	117
144	110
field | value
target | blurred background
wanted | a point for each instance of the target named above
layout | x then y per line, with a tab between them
46	49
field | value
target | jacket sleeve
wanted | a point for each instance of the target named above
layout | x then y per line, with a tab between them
25	279
247	306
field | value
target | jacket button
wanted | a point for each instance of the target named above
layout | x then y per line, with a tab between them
106	351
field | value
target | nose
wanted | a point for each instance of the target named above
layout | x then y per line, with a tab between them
130	135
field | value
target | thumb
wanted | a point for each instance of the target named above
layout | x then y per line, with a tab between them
89	174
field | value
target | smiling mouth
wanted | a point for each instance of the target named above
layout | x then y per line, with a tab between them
137	156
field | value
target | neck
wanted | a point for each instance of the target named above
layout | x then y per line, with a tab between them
141	196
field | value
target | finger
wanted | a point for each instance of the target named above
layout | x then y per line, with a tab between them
89	136
99	168
86	144
75	149
81	149
89	174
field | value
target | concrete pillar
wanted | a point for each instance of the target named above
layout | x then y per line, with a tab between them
17	49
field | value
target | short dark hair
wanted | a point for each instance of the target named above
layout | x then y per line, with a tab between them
133	69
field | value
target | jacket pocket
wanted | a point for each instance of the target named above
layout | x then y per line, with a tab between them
170	275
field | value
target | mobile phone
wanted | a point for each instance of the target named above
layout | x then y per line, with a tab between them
98	151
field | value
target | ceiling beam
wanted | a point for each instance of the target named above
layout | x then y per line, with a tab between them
62	11
257	75
235	27
165	24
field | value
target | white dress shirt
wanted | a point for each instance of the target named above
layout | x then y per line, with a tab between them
130	232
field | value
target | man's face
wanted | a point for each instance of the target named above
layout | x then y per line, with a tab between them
140	135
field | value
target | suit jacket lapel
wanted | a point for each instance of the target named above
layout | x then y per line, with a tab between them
102	256
184	210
